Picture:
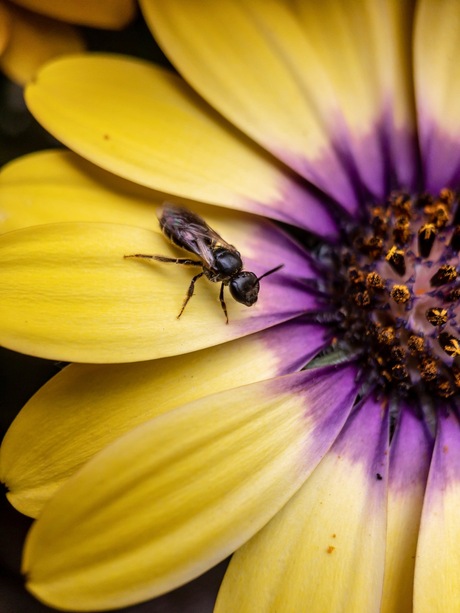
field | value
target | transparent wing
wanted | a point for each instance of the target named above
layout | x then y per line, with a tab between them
190	232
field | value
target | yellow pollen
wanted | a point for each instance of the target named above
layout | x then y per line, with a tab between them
428	230
449	344
447	196
395	257
436	317
400	294
375	281
416	344
387	336
392	252
428	369
453	349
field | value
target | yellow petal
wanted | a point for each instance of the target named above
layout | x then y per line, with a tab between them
146	125
179	493
68	293
310	81
411	450
324	551
101	14
437	570
54	186
437	76
86	407
34	40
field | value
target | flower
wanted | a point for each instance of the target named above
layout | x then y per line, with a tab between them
317	434
33	32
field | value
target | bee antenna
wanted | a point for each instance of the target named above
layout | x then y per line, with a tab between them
270	272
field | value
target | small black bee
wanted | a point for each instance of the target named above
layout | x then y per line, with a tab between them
220	262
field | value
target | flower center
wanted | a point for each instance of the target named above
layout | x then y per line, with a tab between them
397	293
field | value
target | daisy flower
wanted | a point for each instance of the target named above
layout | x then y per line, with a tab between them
35	31
316	436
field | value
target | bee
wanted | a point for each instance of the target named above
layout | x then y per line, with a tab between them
220	262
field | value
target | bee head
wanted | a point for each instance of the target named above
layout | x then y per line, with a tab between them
227	262
244	287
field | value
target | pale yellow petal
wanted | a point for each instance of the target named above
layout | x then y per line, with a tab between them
324	551
437	77
313	82
55	186
437	566
101	14
86	407
410	456
33	41
147	125
365	47
67	292
179	493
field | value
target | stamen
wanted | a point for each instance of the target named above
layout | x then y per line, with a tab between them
406	332
399	372
375	281
428	369
450	344
379	221
455	240
444	388
445	274
453	295
401	204
386	336
398	354
395	257
372	247
401	231
400	294
355	275
436	317
426	236
362	299
447	196
416	344
440	216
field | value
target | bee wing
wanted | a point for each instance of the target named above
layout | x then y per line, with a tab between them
190	232
200	243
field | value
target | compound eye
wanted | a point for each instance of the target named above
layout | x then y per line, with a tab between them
244	287
227	262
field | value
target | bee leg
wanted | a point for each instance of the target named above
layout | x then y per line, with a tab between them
162	258
191	289
222	302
